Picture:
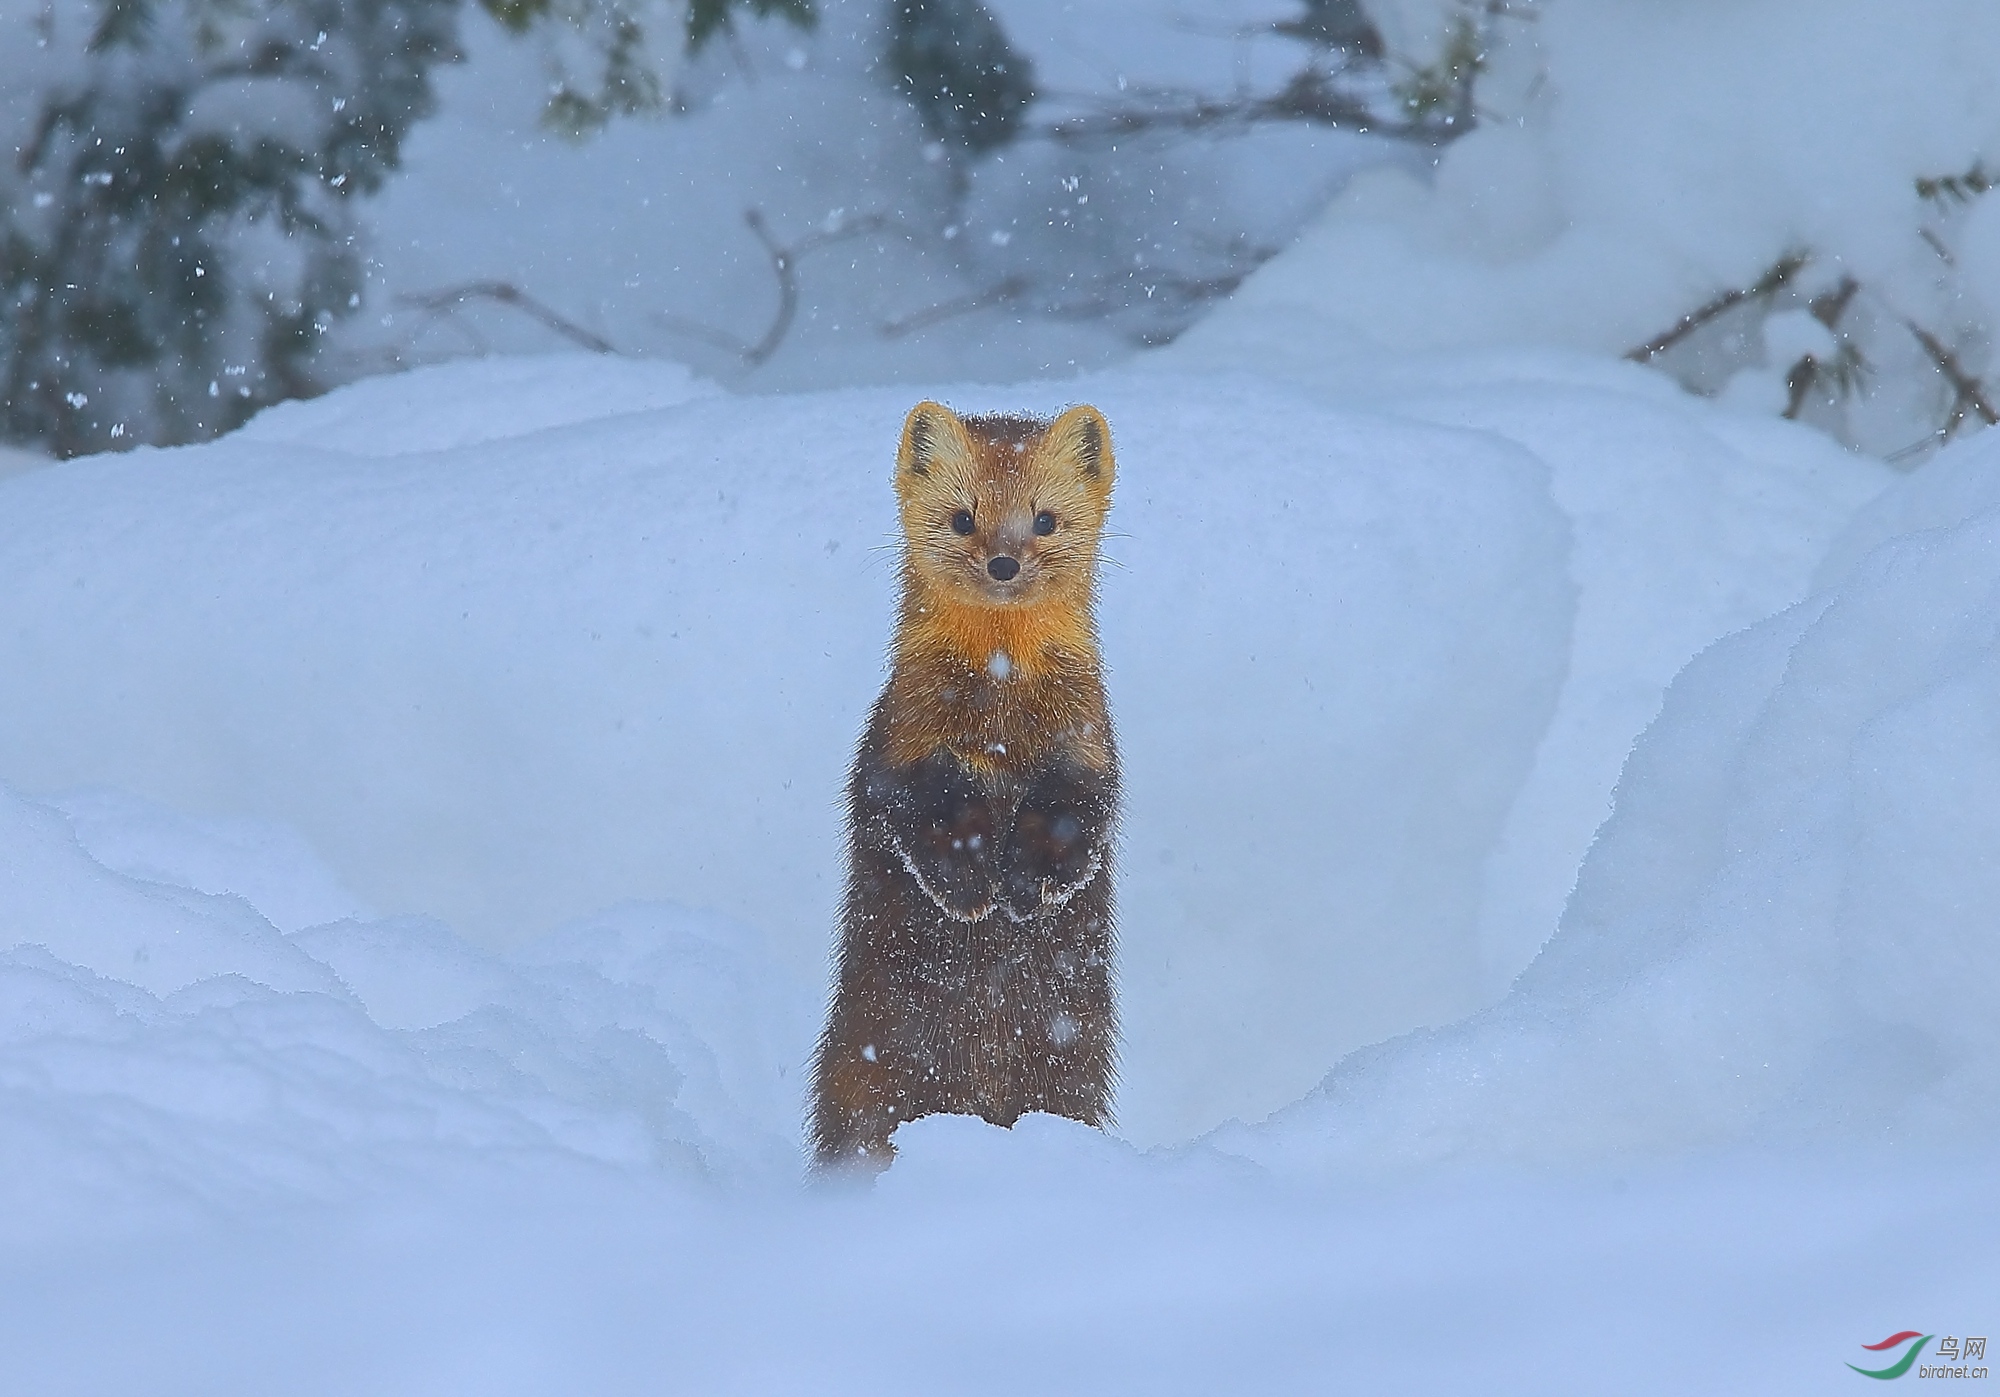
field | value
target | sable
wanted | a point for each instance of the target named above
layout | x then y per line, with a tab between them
976	937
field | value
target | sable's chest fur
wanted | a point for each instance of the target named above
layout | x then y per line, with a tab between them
998	718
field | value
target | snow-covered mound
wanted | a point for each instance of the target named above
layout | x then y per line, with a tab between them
512	683
1785	930
1686	524
169	1053
414	924
508	644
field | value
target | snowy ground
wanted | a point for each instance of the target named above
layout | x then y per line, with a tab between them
1039	1264
1374	676
422	852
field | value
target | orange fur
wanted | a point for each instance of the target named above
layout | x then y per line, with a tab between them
999	673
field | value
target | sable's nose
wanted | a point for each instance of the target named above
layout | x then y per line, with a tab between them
1003	568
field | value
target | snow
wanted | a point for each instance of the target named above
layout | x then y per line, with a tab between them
1634	159
996	1263
1780	934
13	461
1556	867
1684	527
369	975
171	1054
627	660
1041	262
672	269
1656	149
474	401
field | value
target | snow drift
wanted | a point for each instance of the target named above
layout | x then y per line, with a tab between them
506	645
1784	931
511	643
513	683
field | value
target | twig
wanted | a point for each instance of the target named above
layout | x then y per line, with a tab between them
999	294
508	294
1781	272
1186	290
1967	392
1308	97
785	267
1916	448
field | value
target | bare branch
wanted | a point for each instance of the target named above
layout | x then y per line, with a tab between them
1181	289
1915	449
1311	96
1007	290
1782	271
508	294
785	267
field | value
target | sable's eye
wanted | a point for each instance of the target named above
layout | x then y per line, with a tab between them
1045	523
961	522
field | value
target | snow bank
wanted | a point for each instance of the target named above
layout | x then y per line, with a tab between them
170	1054
509	684
1686	522
1784	931
512	642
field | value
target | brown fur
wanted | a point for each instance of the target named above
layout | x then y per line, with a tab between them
976	937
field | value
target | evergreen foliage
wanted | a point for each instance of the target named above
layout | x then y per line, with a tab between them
1440	93
1335	24
618	77
175	228
1961	188
952	59
176	223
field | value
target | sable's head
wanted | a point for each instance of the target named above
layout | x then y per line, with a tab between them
1004	511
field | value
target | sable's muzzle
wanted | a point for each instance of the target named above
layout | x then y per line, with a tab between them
1003	568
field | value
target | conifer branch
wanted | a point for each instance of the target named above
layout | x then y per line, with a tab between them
1968	394
1826	308
1782	271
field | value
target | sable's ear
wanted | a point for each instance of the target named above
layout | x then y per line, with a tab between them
931	434
1082	439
